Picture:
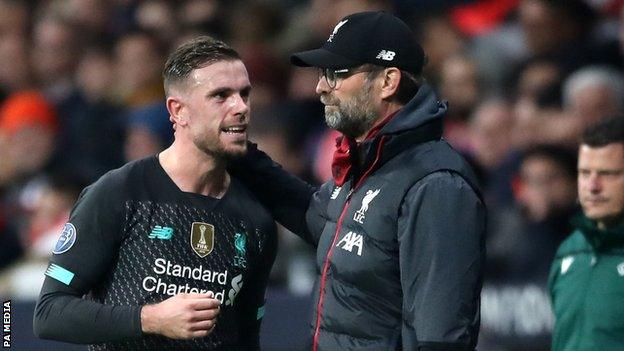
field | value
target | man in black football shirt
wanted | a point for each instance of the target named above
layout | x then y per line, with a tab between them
158	250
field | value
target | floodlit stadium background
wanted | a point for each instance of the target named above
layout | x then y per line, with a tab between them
81	93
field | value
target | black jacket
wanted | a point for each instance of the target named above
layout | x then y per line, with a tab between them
400	246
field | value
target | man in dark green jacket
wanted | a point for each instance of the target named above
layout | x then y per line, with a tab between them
587	277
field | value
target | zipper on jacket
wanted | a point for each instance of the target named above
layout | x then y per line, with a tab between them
319	305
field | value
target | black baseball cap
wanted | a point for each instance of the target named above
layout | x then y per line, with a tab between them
378	38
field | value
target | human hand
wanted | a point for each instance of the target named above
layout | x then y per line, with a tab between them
183	316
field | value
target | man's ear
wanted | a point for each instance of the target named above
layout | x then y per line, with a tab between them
390	84
178	113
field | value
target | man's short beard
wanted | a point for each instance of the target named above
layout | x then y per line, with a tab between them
217	151
355	116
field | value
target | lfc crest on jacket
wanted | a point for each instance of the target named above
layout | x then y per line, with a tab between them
361	213
202	238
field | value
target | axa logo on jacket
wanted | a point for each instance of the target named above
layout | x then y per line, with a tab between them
350	240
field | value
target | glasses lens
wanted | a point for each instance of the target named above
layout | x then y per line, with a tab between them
330	74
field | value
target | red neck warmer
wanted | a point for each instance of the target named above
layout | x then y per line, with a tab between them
341	164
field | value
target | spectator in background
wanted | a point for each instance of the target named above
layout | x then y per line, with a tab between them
139	89
55	197
593	93
13	18
139	58
523	240
54	58
28	127
534	77
537	104
491	133
441	41
88	139
16	70
158	17
586	279
50	213
545	195
91	19
203	16
459	84
585	97
557	28
92	129
255	28
148	131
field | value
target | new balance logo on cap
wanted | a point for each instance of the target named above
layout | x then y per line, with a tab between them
386	55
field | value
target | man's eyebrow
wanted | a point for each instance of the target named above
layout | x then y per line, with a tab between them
219	90
227	90
246	89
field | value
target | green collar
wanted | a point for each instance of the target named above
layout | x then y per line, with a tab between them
598	238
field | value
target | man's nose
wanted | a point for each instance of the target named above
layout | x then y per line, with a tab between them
239	104
595	185
322	87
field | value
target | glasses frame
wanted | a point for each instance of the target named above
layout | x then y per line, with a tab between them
334	76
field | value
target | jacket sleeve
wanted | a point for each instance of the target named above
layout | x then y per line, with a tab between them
250	304
285	196
441	231
555	269
91	239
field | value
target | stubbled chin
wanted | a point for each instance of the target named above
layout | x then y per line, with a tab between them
235	152
234	140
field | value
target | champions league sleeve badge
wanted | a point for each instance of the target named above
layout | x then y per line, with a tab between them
66	240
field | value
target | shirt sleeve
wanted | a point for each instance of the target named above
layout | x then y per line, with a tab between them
80	263
285	196
441	252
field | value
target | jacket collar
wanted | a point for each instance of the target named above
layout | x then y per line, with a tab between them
419	121
598	238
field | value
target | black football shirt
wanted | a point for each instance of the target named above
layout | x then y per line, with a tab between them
134	238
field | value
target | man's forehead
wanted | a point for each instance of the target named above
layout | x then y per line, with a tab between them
231	72
611	147
613	152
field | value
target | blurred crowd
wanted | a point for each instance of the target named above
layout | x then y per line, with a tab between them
81	93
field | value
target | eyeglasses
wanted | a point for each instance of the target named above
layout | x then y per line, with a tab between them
334	76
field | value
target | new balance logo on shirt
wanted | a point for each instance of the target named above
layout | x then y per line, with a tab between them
162	233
